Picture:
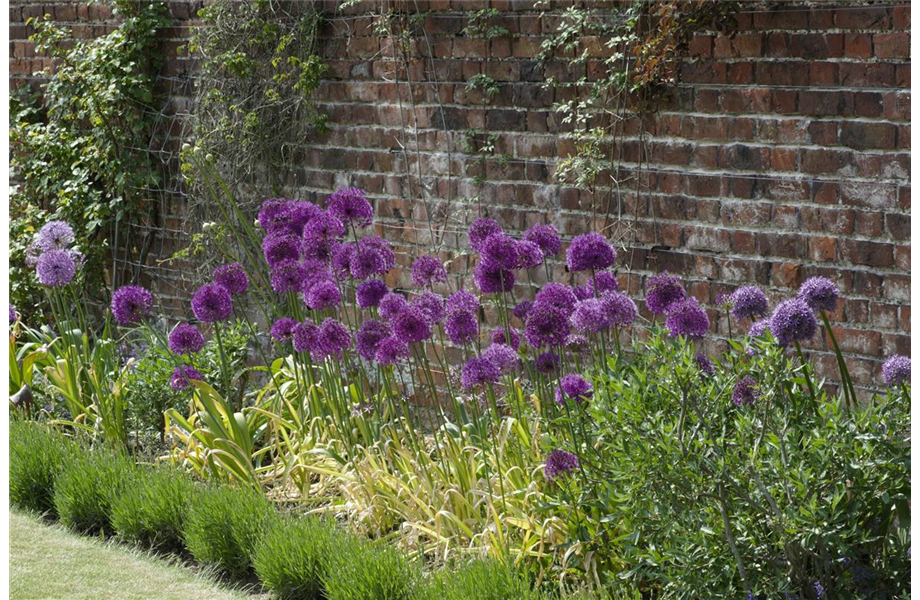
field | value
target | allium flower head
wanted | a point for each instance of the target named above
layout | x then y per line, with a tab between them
499	252
590	316
492	281
283	329
503	356
411	326
428	270
704	364
620	309
520	311
546	237
746	392
391	305
559	463
590	251
481	229
558	296
573	387
896	370
278	249
546	325
232	277
55	268
498	337
793	321
391	350
748	301
602	281
687	318
351	207
299	214
131	304
54	235
324	294
462	327
529	255
332	339
662	291
13	316
369	336
431	306
819	293
367	262
305	336
288	277
462	301
211	303
383	248
758	327
323	229
185	339
546	362
274	215
342	255
479	371
370	292
182	377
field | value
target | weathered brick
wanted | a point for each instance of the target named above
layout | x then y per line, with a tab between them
892	45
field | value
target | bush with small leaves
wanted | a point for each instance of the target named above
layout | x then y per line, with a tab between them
291	558
152	508
360	570
36	455
481	580
87	484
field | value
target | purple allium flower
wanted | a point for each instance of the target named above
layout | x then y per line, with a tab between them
529	255
573	387
546	362
819	293
131	304
351	207
324	294
383	248
590	316
369	336
462	327
428	270
391	350
182	377
621	310
793	321
590	251
558	296
185	339
301	213
661	291
602	281
370	292
746	392
212	303
431	306
559	463
724	299
520	311
12	314
498	337
283	329
278	249
896	370
819	590
288	277
748	301
33	251
54	235
55	268
481	229
546	325
503	356
305	336
411	326
758	327
332	339
687	318
232	277
479	371
342	255
546	237
462	301
323	229
704	364
274	215
391	305
499	252
367	262
492	281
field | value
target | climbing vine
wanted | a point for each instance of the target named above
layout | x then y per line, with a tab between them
79	146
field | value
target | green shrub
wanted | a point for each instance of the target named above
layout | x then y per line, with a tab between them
224	526
153	507
36	454
291	558
481	580
359	570
87	483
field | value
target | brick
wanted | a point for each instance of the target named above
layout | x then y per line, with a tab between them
858	45
822	249
861	135
824	160
901	17
831	221
865	253
892	45
868	17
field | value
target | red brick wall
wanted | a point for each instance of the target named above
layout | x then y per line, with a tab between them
783	154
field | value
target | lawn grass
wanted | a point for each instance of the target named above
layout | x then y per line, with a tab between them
49	562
